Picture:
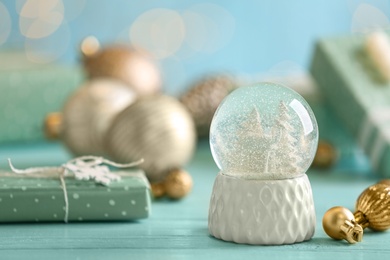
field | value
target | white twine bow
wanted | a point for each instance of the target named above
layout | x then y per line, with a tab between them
81	168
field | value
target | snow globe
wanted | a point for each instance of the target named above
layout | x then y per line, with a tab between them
263	138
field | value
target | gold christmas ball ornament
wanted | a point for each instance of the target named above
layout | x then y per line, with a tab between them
372	210
156	128
158	189
339	223
385	181
89	112
134	68
52	125
178	184
203	99
326	155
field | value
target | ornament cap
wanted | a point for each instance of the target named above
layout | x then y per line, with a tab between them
351	231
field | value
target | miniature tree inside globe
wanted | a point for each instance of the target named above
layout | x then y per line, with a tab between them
264	131
263	139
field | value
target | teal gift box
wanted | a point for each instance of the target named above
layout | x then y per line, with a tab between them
342	70
28	92
33	199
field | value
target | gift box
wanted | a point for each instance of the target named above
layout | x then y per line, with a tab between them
27	198
28	92
342	70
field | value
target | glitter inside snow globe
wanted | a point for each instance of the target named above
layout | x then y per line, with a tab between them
263	139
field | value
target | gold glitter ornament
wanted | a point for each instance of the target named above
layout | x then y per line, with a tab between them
372	210
203	99
178	184
156	128
385	181
123	63
89	112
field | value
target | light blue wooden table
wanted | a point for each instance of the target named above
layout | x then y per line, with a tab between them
178	229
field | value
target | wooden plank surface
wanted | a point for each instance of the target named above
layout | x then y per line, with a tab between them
178	229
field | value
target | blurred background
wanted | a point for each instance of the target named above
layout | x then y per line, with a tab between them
188	38
41	61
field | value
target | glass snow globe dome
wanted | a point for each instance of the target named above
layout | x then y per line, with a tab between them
264	131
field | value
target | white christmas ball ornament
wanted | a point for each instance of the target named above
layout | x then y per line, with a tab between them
263	139
89	112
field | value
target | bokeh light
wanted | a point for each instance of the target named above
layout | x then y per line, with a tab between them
5	23
90	45
201	30
160	31
73	9
209	27
367	18
40	18
383	5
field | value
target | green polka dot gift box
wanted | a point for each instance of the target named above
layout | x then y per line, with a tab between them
354	76
47	199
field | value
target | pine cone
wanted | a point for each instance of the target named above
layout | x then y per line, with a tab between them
203	99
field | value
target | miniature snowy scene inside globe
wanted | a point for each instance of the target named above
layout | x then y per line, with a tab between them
264	131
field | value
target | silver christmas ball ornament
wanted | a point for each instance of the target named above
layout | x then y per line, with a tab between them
156	128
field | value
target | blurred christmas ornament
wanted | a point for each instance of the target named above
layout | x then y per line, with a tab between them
326	155
372	210
203	99
178	184
52	125
123	63
156	128
385	181
158	189
89	112
377	47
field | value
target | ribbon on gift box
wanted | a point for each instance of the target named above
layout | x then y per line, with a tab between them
375	134
83	168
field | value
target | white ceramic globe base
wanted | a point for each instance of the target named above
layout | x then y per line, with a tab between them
262	212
